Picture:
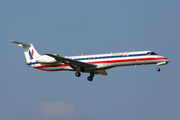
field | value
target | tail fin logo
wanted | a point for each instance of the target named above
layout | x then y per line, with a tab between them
31	54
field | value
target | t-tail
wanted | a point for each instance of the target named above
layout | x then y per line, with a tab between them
29	51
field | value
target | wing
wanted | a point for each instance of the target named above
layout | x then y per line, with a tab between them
72	63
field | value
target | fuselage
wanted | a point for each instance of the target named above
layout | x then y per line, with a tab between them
93	64
107	61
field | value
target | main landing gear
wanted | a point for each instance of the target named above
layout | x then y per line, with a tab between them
89	78
77	74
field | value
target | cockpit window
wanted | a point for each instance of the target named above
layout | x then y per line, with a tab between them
148	53
151	53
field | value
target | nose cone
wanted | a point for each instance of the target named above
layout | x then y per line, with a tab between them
167	60
164	59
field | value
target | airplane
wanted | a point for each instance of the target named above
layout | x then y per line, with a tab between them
93	64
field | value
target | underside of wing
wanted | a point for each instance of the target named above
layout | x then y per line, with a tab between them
72	63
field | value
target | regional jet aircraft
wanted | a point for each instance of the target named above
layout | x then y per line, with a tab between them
93	64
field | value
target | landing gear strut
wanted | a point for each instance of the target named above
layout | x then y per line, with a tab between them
161	63
158	69
90	78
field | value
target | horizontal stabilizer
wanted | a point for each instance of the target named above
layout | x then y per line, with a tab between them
20	43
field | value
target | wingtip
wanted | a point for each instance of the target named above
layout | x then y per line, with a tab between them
12	41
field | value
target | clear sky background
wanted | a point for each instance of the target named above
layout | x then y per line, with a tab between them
69	27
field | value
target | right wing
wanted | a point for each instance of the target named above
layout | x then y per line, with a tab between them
72	63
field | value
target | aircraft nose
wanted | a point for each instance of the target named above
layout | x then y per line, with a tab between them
167	60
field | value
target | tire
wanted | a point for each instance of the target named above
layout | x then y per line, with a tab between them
158	69
78	74
89	78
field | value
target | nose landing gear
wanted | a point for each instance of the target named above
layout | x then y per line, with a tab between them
161	63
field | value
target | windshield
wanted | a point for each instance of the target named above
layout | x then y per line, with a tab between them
151	53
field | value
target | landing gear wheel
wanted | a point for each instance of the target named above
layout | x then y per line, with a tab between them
78	74
158	69
90	78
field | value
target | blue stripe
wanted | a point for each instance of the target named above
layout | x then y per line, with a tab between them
30	55
33	63
141	54
116	56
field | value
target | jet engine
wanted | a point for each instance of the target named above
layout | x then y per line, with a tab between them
45	59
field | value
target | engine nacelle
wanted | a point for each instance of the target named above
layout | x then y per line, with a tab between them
45	59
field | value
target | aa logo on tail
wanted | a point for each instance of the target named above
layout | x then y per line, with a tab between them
31	54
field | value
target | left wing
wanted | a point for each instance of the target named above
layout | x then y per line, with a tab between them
72	63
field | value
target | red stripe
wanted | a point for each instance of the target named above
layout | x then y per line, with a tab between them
49	66
109	61
32	52
128	60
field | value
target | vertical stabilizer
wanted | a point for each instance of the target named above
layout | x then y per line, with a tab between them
29	51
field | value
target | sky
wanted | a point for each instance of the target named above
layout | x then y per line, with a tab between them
69	27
